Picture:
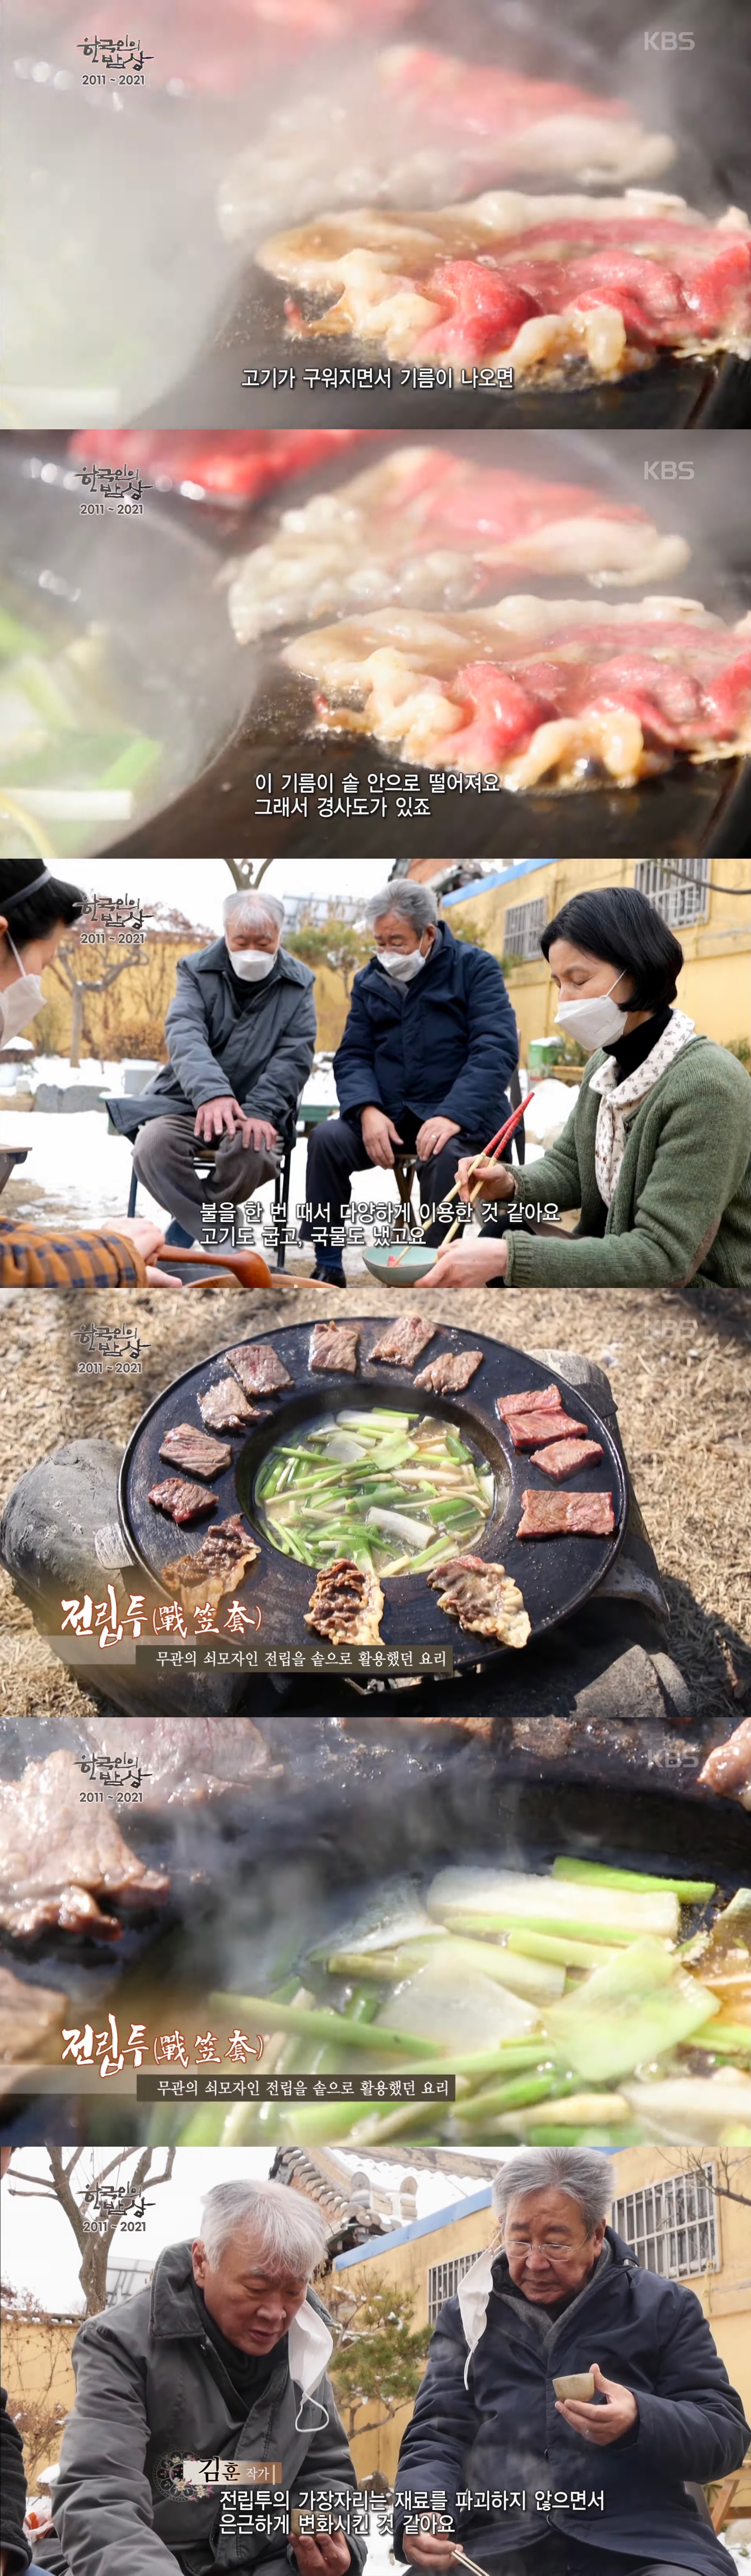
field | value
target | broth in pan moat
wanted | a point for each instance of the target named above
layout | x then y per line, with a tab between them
394	1492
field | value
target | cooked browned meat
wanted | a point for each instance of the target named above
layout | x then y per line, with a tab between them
483	1599
225	1408
259	1368
334	1346
187	1447
216	1567
181	1500
59	1856
587	1515
346	1605
450	1372
563	1457
28	2016
402	1343
535	1399
529	1429
728	1767
185	1760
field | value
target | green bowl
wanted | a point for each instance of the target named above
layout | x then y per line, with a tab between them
400	1270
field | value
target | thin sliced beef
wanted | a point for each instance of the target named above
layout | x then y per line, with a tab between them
530	688
431	529
727	1769
58	1856
187	1760
334	1346
561	1515
217	1566
402	1343
531	1429
259	1368
223	1407
181	1500
346	1605
552	287
29	2015
450	1372
565	1457
535	1399
483	1599
186	1446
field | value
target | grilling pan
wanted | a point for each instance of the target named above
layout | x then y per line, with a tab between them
337	1830
554	1575
704	113
687	812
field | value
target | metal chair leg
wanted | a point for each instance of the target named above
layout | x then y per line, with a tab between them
283	1201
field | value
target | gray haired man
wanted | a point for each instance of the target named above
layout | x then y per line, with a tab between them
241	1033
544	2479
429	1046
223	2357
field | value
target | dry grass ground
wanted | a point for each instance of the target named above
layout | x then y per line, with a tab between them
680	1367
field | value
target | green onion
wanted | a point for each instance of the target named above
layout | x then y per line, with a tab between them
322	2023
594	1873
630	2012
556	1946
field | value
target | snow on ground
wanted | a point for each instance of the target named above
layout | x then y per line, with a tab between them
77	1168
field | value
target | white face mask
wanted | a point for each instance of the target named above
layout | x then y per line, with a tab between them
402	968
595	1022
250	965
20	1002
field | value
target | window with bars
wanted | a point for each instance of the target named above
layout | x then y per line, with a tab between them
444	2279
679	892
522	925
672	2225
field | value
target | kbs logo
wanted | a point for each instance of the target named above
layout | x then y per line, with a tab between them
665	40
669	469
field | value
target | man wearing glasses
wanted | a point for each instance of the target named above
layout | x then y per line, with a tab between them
586	2481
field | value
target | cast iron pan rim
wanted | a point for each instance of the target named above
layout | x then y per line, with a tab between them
478	1422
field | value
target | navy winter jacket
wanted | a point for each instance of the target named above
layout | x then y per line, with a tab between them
444	1046
497	2429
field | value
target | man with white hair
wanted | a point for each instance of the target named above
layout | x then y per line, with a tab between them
429	1046
224	2356
569	2396
241	1033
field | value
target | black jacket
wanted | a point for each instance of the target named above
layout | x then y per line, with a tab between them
254	1041
12	2492
489	2422
443	1046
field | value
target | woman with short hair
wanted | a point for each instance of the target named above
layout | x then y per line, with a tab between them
656	1154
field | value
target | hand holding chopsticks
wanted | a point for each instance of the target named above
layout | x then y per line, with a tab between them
492	1153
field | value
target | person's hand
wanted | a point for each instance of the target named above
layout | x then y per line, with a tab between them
431	2550
469	1265
325	2554
218	1117
433	1135
140	1230
379	1136
491	1180
601	2424
259	1133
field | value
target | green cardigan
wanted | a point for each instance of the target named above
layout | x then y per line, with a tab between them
682	1204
